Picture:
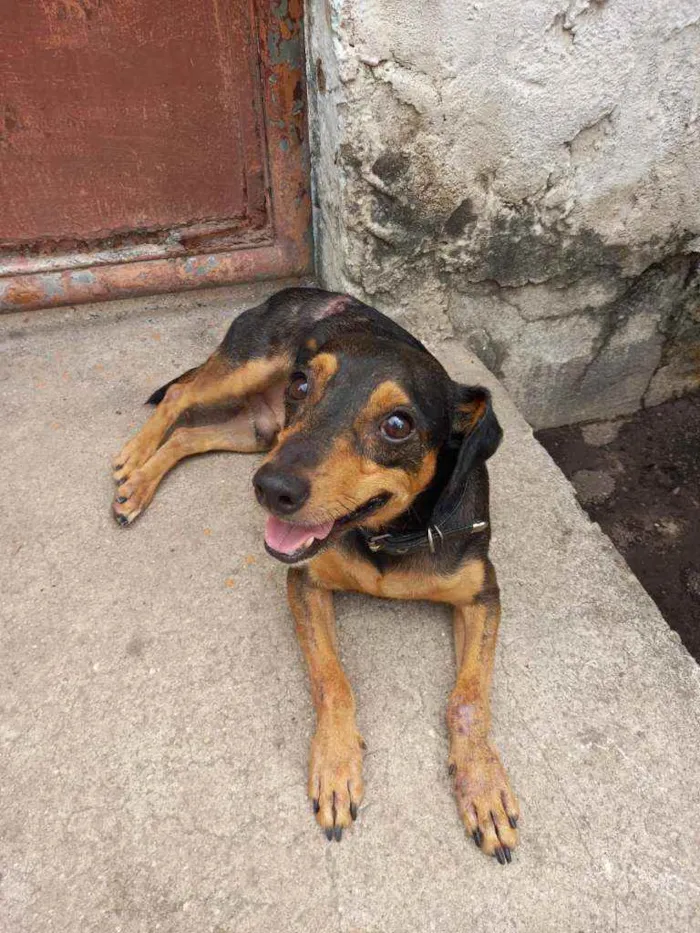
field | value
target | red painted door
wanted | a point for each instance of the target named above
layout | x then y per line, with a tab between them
149	145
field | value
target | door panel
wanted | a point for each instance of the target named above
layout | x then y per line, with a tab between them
149	145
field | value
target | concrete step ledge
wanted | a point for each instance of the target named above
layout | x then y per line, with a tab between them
156	712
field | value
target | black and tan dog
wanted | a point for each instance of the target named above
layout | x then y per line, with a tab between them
375	481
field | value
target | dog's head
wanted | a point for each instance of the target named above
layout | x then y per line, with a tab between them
366	418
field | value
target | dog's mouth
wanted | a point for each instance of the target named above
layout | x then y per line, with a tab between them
291	542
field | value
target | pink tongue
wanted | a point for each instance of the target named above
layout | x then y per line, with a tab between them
287	538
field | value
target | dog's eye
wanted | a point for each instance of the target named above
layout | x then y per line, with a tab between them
298	388
397	427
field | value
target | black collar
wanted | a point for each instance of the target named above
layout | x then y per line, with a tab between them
432	537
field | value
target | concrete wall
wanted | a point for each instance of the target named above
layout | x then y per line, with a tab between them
523	175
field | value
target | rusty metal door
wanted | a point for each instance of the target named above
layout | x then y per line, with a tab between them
149	145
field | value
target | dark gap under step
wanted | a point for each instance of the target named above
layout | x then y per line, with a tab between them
639	478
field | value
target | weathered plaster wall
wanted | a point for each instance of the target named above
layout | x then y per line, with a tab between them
524	175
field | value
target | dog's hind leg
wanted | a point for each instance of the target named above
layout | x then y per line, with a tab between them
218	383
251	430
257	350
135	493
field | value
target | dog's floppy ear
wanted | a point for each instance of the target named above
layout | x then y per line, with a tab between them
477	434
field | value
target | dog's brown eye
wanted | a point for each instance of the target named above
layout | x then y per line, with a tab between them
396	427
298	388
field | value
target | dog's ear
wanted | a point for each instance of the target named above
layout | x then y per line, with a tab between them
476	433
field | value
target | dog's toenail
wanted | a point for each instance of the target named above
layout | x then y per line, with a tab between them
506	852
500	856
513	821
329	833
353	810
478	837
317	806
338	833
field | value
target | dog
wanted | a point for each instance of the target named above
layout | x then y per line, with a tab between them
374	480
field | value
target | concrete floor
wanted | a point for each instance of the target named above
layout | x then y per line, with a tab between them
155	712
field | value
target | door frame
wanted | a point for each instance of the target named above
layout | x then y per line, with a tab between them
284	247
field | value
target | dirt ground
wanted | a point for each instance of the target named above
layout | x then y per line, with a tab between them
639	478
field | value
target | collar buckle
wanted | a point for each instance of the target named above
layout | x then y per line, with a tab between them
375	542
431	539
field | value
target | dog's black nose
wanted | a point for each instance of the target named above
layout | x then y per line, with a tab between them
281	493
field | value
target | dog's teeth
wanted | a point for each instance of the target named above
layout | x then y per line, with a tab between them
308	542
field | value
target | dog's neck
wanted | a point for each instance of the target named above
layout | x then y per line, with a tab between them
415	528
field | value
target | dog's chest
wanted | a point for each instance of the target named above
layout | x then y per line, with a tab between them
337	571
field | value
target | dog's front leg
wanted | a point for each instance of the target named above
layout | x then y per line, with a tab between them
335	763
486	803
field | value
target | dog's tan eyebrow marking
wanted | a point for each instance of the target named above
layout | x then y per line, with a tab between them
387	396
323	367
474	412
312	344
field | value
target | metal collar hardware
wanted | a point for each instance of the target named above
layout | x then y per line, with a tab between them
432	538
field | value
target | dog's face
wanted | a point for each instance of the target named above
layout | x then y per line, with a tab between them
365	419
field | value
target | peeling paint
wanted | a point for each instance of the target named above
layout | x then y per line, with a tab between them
84	277
52	286
200	265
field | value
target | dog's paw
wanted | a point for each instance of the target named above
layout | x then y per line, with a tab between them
335	776
487	805
134	455
132	497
